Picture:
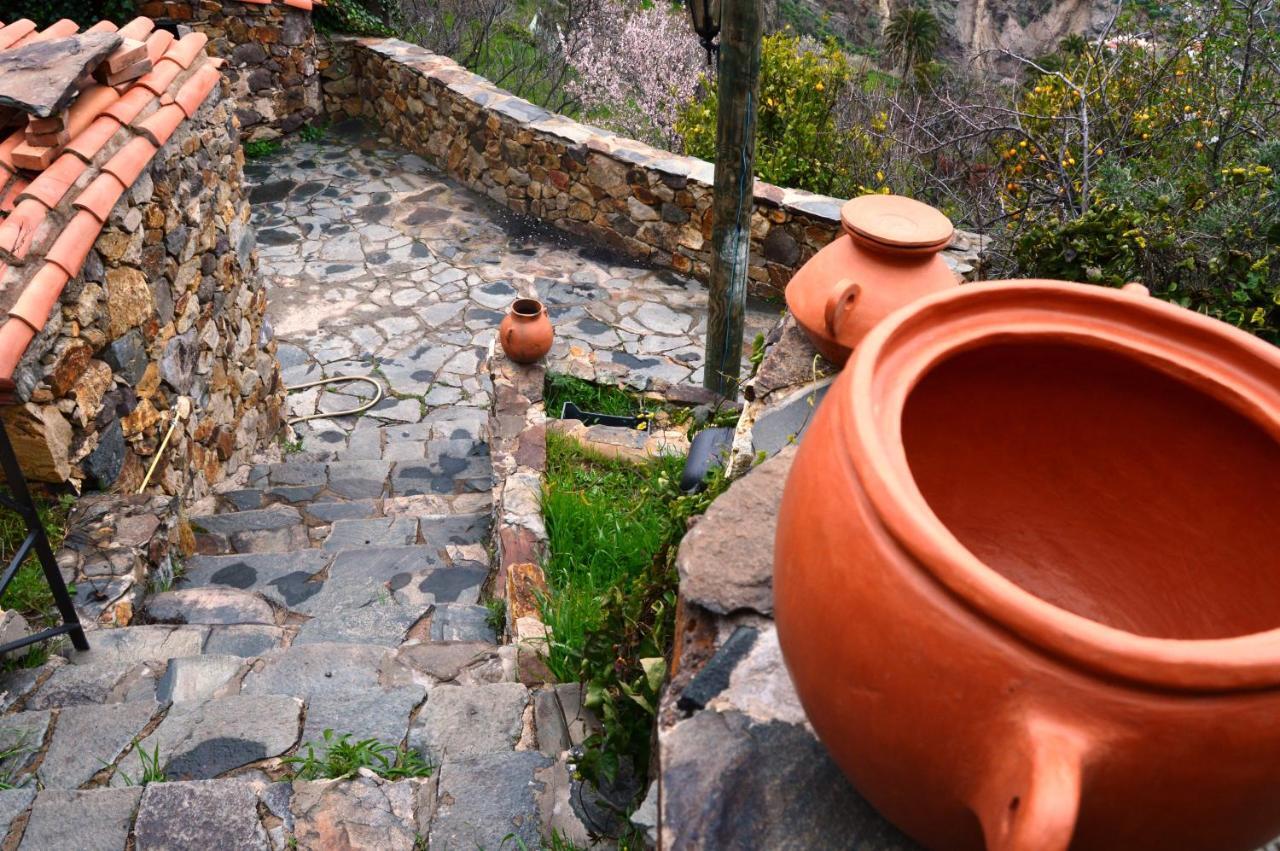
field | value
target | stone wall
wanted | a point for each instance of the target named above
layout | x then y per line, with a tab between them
647	203
168	306
271	58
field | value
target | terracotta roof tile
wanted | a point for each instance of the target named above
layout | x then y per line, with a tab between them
54	182
15	336
100	196
20	228
138	28
87	144
59	29
15	32
186	49
13	140
41	294
10	192
54	200
160	126
197	87
73	244
130	105
102	27
304	5
161	76
129	161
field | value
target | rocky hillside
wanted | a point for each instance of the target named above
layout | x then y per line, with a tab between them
970	27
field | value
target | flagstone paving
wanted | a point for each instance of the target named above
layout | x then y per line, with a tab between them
378	263
341	588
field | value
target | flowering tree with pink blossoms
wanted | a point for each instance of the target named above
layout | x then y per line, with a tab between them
634	68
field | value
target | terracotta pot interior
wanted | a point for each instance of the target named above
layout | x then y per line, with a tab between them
1103	486
526	307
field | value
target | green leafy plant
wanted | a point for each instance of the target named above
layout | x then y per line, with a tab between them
597	398
312	132
349	16
29	593
496	617
259	148
798	141
46	12
342	758
152	771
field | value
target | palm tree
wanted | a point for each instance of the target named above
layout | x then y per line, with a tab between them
911	38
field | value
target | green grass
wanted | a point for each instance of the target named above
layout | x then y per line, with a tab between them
28	593
342	758
496	617
607	521
152	771
596	398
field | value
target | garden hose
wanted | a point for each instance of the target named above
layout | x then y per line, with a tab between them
335	380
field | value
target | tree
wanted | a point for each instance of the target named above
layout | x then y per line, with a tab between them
911	38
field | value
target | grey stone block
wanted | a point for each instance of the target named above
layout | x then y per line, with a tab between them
465	721
91	820
87	739
217	814
485	799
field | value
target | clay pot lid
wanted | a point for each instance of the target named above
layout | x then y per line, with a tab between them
896	221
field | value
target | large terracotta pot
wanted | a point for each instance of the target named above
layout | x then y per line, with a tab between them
1028	573
886	256
525	333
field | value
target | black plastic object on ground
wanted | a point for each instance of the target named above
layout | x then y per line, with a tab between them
573	412
710	448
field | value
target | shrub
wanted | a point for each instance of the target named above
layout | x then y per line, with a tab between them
84	12
798	142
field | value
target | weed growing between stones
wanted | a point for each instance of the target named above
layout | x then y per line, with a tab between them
259	148
312	132
343	758
614	528
10	755
151	770
497	617
28	593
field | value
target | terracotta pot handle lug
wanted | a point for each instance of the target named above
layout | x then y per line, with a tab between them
841	303
1031	797
1135	288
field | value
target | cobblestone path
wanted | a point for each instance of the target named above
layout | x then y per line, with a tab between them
340	588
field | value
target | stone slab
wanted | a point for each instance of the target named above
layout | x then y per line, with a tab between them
726	565
90	820
199	678
286	579
244	639
74	685
133	644
13	803
265	519
458	722
370	713
378	532
214	814
203	739
319	669
42	78
21	736
729	782
485	799
207	606
460	622
362	814
88	739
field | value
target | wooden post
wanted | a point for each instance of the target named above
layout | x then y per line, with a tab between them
739	87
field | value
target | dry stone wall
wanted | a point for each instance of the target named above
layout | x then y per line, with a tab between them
648	203
270	51
168	307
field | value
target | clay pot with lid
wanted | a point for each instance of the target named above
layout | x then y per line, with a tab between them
1027	576
525	333
886	256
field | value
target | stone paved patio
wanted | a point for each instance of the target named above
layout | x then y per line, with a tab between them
378	263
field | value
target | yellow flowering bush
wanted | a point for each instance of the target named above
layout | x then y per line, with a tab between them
798	141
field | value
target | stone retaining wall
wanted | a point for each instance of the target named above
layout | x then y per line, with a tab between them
271	58
647	203
168	306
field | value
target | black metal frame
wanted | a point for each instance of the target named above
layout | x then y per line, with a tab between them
20	501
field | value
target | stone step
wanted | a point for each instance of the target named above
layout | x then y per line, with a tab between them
449	468
274	529
476	803
369	441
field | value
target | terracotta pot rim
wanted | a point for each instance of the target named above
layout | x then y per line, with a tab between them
1238	369
528	308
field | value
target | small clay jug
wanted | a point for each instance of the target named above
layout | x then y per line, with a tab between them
887	256
525	332
1026	573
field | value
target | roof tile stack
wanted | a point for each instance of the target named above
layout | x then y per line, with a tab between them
60	177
